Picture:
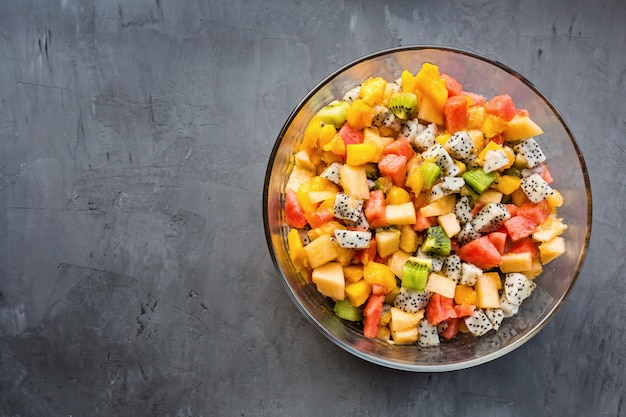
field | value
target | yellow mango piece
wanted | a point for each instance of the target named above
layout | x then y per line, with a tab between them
372	90
321	251
296	250
443	138
360	115
377	273
555	199
353	273
430	112
506	184
312	133
327	133
408	82
358	292
492	125
415	180
466	295
327	228
552	249
397	195
521	127
409	239
491	146
475	117
360	153
336	145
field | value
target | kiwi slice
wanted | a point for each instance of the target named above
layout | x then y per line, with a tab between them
345	310
334	113
402	104
478	179
430	172
436	242
415	273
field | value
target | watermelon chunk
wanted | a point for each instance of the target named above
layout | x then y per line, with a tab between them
452	328
519	227
501	106
394	167
537	212
525	244
454	87
294	215
439	309
464	310
400	146
499	240
372	313
480	252
350	135
455	113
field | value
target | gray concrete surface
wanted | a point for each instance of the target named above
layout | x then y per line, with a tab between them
134	274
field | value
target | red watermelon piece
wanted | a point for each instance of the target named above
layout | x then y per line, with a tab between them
480	252
519	227
350	135
499	240
501	106
394	167
455	113
294	215
525	244
454	87
439	309
537	212
400	146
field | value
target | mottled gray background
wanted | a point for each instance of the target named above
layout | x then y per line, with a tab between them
134	274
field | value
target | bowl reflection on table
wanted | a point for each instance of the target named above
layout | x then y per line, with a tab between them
477	74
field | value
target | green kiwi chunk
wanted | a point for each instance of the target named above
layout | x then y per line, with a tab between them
345	310
430	172
479	180
402	104
436	242
334	113
415	273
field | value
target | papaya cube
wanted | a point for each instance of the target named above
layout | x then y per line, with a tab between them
321	251
329	280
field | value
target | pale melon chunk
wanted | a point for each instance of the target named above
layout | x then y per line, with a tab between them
401	320
552	249
321	251
521	127
353	179
400	214
329	280
440	207
387	242
516	262
406	336
487	291
450	224
441	285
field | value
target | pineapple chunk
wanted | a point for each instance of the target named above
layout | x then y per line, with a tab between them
516	262
441	285
354	181
552	249
321	251
450	224
296	250
487	291
358	292
400	214
401	320
521	127
440	207
549	229
387	242
329	280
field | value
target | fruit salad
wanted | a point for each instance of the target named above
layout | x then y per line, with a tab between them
424	211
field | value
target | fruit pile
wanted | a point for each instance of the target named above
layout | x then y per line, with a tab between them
423	210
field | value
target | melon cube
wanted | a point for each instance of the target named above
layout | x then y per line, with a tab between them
552	249
400	214
329	280
387	242
440	207
516	262
406	336
441	285
396	262
521	127
450	224
321	251
353	179
490	196
401	320
487	291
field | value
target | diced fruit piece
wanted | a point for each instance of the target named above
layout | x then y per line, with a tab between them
537	212
411	301
409	239
440	207
501	106
372	90
400	214
549	229
478	179
436	241
521	127
535	188
318	217
353	179
353	239
480	252
478	323
401	320
487	292
396	262
465	295
415	273
455	113
296	250
400	146
372	312
464	310
402	104
329	280
347	207
360	153
387	242
321	251
406	336
426	138
451	328
294	215
499	240
428	335
375	273
359	115
519	227
334	113
430	173
450	224
524	245
438	154
394	166
552	249
358	292
506	184
440	308
353	273
345	310
517	287
490	217
516	262
530	151
441	285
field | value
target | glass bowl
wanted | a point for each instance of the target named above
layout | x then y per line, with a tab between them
489	78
